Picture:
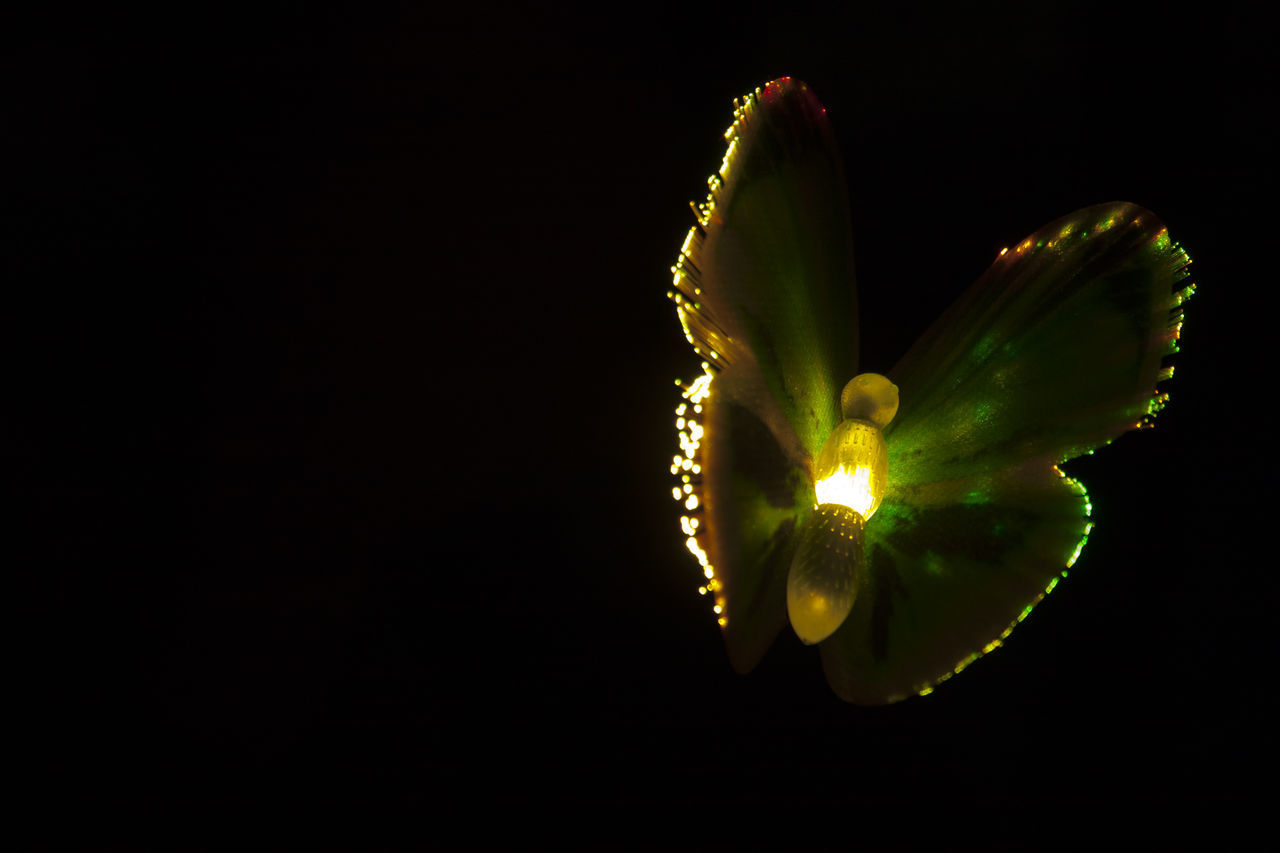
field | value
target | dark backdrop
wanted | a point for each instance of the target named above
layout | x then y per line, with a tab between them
345	377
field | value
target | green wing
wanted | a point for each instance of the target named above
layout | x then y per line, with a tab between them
1054	351
765	291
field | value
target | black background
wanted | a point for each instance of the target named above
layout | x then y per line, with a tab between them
342	377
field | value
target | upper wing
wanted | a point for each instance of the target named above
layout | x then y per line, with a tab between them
1054	351
765	292
767	275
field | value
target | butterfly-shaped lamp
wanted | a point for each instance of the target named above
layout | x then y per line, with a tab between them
905	523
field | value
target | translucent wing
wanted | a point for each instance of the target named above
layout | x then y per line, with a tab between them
1054	351
765	291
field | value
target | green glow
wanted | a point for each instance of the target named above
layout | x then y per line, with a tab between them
983	348
976	525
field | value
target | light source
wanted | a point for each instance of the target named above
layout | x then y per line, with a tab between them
851	476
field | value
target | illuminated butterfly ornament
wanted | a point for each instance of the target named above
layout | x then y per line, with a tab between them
904	523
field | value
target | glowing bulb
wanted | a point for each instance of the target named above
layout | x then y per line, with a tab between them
852	474
853	468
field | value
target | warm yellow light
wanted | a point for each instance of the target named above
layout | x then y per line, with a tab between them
853	468
852	475
850	488
825	572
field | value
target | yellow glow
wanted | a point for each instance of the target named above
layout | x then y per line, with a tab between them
701	386
849	488
728	159
825	572
852	475
685	467
853	468
692	544
707	340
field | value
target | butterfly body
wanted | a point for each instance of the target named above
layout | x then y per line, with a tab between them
963	519
828	567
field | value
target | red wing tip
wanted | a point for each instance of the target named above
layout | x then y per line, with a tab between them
781	86
790	89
